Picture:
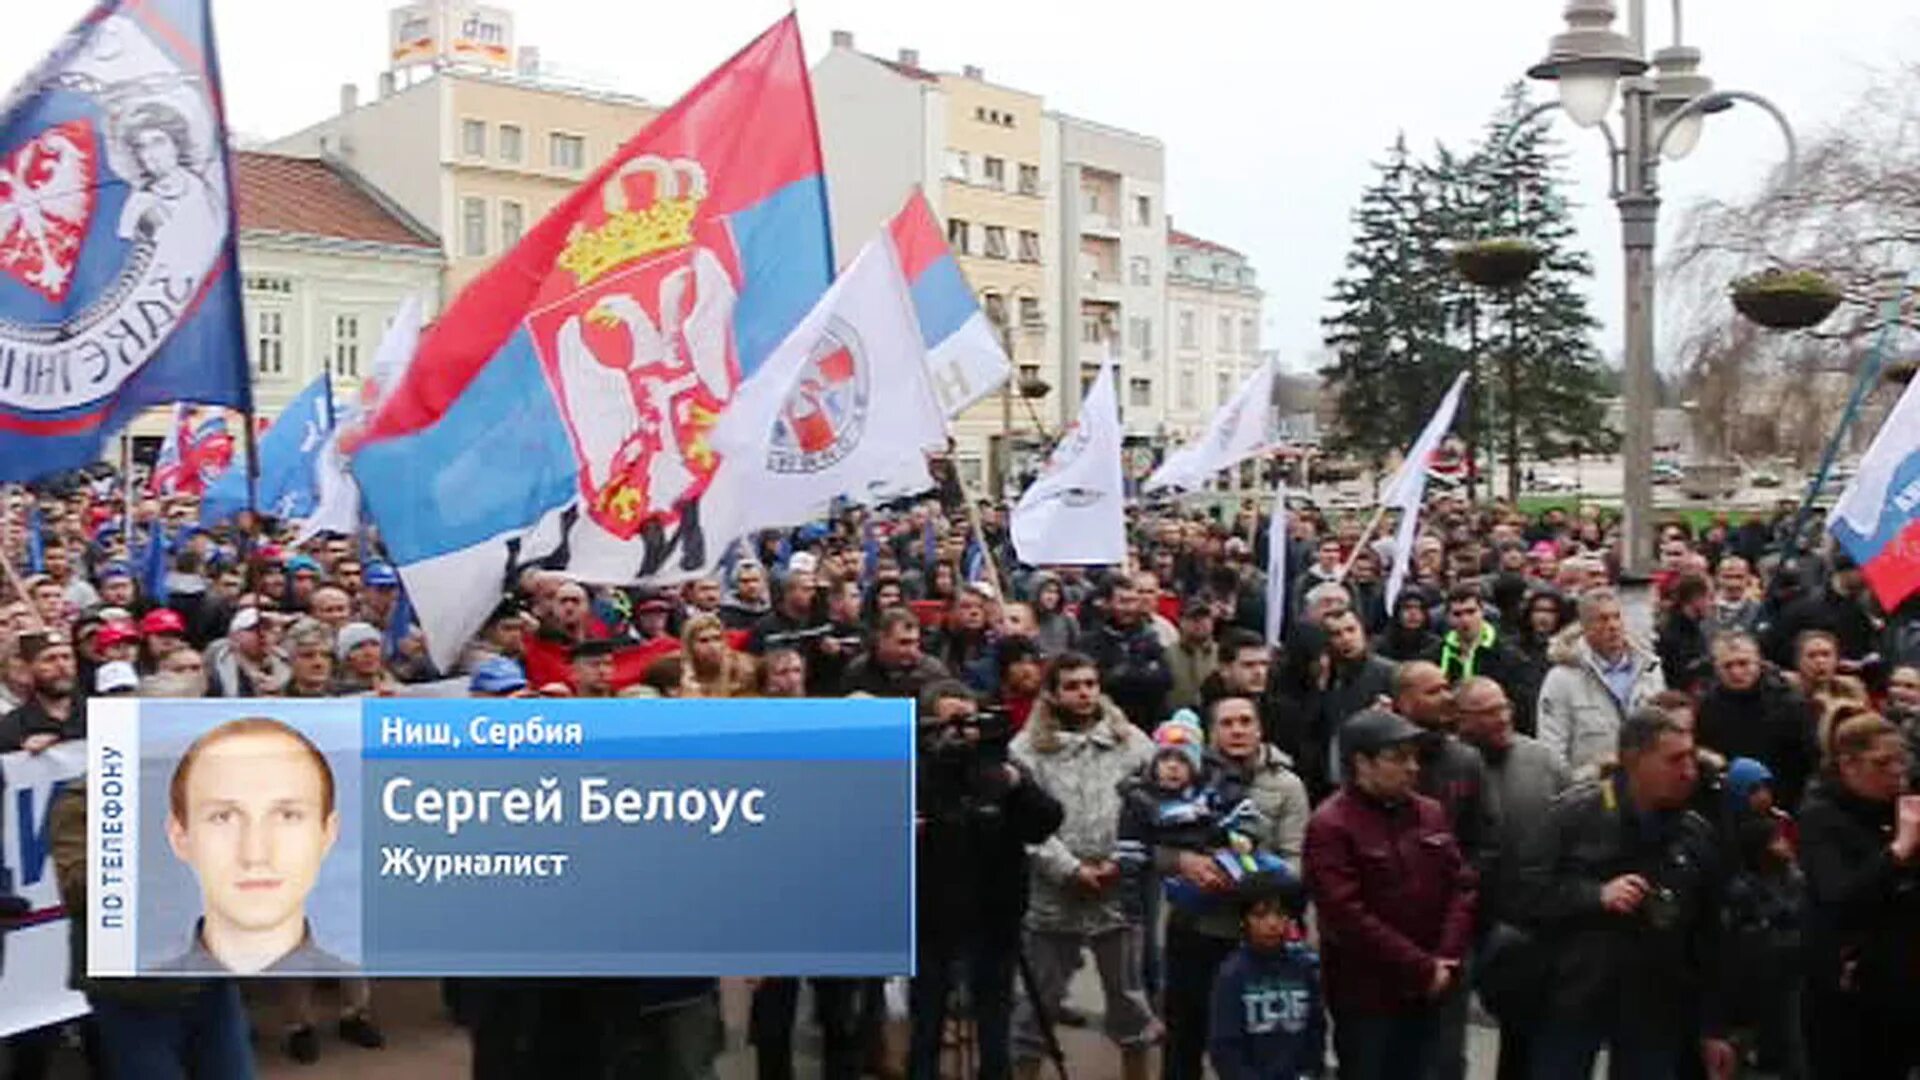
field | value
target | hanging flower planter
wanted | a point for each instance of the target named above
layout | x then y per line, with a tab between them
1900	372
1497	263
1033	387
1786	299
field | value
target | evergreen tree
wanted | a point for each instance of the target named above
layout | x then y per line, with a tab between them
1393	353
1541	378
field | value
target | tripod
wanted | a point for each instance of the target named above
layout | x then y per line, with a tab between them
969	1053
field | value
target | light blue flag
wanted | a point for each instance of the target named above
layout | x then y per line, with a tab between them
289	462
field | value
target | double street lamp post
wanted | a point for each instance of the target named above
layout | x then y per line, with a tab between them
1664	105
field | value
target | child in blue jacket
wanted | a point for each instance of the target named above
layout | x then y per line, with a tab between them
1268	1022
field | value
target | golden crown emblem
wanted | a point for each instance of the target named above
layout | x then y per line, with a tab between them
630	234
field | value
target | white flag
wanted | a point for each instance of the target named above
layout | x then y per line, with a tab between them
843	407
1075	512
1241	428
1408	488
338	509
1277	565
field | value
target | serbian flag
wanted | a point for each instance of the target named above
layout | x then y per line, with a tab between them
117	283
193	453
1877	519
963	349
559	410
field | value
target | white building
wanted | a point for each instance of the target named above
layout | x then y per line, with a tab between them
325	261
1213	313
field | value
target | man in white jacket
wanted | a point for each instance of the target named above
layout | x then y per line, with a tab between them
1597	679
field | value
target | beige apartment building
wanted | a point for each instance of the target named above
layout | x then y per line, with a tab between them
983	153
477	155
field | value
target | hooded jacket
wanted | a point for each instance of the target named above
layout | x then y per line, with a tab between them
1579	718
1084	770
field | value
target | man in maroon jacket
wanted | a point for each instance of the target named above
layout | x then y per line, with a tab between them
1396	901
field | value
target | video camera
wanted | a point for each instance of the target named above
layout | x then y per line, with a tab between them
961	777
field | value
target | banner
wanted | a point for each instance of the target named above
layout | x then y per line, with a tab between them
118	284
33	959
421	837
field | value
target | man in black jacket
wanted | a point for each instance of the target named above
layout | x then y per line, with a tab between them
1473	646
893	666
1750	711
1133	665
1246	670
1352	678
1682	645
1837	609
1623	884
978	812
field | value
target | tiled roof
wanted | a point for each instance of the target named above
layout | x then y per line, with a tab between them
309	197
1175	236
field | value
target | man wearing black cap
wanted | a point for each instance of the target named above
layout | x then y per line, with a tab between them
1396	901
56	710
1838	609
1194	656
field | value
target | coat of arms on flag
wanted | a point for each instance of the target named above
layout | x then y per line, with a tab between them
116	290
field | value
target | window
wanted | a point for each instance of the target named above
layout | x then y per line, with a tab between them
1140	331
1029	246
1189	339
996	242
1140	393
1090	196
1224	343
269	342
1222	388
959	166
995	306
994	171
972	473
1029	179
1140	270
1093	328
959	237
1187	390
346	345
512	143
1249	337
1180	264
513	223
568	152
1142	210
270	283
1030	311
473	227
473	138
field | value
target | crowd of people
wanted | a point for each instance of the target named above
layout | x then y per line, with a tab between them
1694	851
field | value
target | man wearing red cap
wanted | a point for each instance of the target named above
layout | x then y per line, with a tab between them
165	633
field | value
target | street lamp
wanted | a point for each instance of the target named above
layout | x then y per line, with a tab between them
1661	115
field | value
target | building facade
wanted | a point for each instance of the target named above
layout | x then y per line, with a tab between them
325	262
478	156
984	154
1213	315
1113	269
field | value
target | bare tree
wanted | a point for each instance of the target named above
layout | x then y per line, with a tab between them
1850	211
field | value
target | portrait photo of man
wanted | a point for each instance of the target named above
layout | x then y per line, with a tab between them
250	810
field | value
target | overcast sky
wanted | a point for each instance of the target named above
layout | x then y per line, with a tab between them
1271	110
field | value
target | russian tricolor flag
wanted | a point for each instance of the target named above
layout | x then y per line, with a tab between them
1877	519
964	355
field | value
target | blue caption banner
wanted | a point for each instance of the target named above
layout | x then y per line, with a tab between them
501	837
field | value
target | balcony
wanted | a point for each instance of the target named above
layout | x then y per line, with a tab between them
1094	223
1104	287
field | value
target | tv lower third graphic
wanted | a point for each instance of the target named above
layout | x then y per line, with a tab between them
428	837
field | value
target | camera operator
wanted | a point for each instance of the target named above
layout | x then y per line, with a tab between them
1622	883
978	813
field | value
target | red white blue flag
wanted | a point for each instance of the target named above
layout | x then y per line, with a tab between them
118	289
560	409
195	451
1877	518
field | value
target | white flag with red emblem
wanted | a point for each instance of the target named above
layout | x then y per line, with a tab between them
843	408
1075	512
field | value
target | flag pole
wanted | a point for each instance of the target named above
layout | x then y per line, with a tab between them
126	490
1360	545
250	447
974	526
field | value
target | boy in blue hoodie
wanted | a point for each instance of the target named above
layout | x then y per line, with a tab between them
1267	1019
